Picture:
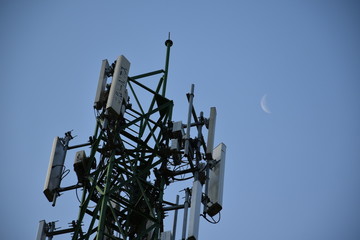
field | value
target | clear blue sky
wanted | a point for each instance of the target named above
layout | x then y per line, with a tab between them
292	174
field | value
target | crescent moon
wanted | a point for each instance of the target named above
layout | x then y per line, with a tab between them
263	104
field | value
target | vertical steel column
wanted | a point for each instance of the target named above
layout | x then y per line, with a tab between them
86	199
186	206
105	198
175	218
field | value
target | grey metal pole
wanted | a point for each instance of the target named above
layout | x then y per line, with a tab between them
187	139
186	206
175	218
168	44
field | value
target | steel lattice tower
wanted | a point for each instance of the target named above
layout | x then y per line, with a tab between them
135	152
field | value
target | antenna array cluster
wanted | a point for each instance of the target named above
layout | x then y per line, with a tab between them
135	152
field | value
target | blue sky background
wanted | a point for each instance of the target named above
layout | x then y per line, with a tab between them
292	174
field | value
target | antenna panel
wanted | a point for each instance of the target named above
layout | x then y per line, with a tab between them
194	218
123	106
41	234
211	133
55	169
216	182
118	86
100	92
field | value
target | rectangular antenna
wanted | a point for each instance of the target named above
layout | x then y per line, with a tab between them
55	169
118	85
100	92
211	133
41	234
196	194
216	182
125	99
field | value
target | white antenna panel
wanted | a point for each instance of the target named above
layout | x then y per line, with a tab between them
196	194
55	169
211	133
41	234
118	85
216	182
100	92
123	106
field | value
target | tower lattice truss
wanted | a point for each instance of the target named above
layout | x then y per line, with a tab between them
136	151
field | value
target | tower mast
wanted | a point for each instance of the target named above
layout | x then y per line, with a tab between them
135	152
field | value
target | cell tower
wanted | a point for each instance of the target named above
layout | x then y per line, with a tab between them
135	152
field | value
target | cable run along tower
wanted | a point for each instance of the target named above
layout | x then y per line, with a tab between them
135	152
